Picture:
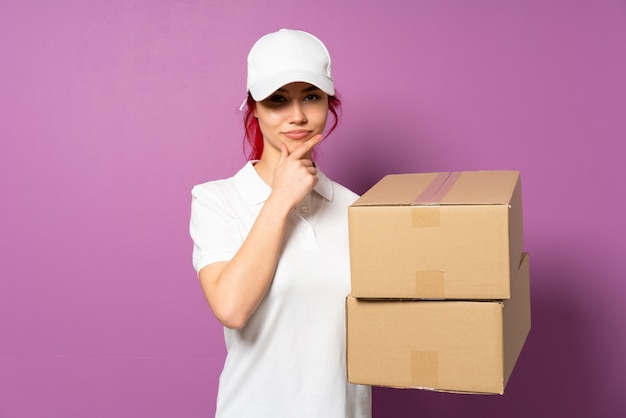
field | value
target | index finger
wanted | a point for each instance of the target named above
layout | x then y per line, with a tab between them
306	147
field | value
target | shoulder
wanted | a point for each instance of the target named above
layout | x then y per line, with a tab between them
221	189
211	187
213	201
213	192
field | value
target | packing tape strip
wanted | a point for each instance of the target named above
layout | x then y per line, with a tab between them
425	207
430	284
424	369
437	189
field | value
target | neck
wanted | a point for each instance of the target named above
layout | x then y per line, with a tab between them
265	170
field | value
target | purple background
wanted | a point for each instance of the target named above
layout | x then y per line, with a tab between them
111	110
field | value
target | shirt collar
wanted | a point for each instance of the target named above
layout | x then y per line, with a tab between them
254	190
324	186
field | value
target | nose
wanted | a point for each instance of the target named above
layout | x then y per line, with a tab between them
297	115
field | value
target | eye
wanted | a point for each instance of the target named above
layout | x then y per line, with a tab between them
311	97
276	99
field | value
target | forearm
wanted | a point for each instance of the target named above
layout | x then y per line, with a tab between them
237	288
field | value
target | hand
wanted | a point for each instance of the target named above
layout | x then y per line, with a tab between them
295	176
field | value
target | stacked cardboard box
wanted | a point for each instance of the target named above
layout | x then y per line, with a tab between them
440	284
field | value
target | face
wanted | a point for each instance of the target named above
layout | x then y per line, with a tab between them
291	115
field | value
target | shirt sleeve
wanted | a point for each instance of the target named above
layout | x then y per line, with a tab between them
213	227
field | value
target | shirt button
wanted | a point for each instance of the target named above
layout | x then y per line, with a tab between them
304	209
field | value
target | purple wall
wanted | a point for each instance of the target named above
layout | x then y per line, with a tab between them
111	110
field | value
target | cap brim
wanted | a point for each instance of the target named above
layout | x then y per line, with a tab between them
262	89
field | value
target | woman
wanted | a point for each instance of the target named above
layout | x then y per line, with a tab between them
271	247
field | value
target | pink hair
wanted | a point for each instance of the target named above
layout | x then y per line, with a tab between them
253	136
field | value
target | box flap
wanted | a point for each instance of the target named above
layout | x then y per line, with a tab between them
446	188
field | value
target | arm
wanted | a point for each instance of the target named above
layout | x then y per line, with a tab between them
236	287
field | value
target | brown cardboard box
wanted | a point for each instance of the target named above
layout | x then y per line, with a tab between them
455	346
437	236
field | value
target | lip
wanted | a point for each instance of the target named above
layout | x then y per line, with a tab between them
297	134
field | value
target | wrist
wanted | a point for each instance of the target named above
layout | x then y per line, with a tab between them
278	204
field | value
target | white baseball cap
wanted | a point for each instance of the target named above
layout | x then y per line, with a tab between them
288	56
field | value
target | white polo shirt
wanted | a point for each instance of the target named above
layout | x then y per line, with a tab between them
289	359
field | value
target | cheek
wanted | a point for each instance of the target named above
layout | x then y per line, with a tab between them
319	114
321	118
268	124
269	119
